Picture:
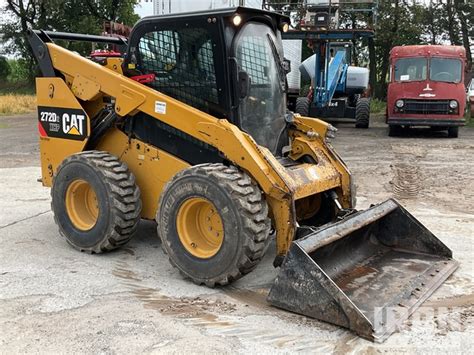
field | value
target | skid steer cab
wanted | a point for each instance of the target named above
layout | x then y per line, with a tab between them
190	128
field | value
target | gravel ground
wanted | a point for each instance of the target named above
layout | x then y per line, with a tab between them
56	300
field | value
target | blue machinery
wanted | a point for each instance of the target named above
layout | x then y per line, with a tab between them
326	85
319	23
330	72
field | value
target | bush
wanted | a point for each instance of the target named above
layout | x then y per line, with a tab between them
377	106
4	69
20	71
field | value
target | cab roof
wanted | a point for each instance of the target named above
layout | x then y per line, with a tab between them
224	12
428	51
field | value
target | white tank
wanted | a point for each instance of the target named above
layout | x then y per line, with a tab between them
307	67
357	80
162	7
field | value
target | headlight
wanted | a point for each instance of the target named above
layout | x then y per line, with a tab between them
453	104
399	103
237	20
285	27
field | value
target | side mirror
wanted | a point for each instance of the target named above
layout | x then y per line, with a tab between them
286	64
244	84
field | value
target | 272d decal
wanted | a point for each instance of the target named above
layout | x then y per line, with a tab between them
62	123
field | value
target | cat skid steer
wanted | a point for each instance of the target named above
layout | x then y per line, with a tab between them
190	128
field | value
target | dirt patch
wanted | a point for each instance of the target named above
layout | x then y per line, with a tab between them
19	146
183	307
455	301
420	167
255	298
407	180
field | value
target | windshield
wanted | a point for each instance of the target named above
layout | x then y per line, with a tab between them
440	69
446	70
262	111
411	69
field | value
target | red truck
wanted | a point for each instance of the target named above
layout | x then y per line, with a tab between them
426	88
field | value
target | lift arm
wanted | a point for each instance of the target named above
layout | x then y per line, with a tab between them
337	69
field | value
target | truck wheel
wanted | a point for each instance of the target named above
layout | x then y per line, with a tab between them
453	132
362	113
213	223
394	130
95	201
302	106
438	128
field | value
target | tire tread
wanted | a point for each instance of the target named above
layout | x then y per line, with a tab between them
251	204
362	115
302	106
125	197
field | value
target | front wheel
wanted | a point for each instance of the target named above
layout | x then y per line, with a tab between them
362	114
453	132
213	223
394	130
302	106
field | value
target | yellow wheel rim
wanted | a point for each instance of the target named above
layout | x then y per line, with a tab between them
200	227
81	205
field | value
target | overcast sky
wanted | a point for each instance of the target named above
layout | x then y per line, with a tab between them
144	8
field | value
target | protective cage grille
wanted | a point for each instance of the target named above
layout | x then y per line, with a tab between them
183	63
253	58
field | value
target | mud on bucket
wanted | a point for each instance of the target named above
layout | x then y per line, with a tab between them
368	272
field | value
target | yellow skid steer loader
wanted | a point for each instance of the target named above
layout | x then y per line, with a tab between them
190	128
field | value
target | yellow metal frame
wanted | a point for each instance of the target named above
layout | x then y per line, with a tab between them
89	82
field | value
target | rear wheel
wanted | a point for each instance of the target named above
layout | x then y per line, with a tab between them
453	132
302	106
213	223
362	114
95	201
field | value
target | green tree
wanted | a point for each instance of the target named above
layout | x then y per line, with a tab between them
82	16
398	24
465	12
4	69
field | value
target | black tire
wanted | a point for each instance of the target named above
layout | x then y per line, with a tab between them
438	128
453	132
243	212
394	130
302	106
362	114
117	197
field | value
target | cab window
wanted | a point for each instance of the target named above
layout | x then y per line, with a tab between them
183	63
411	69
446	70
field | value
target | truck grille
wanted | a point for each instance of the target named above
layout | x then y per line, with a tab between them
424	107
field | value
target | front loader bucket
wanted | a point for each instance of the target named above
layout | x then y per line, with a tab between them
367	272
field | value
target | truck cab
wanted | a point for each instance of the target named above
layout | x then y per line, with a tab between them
426	88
